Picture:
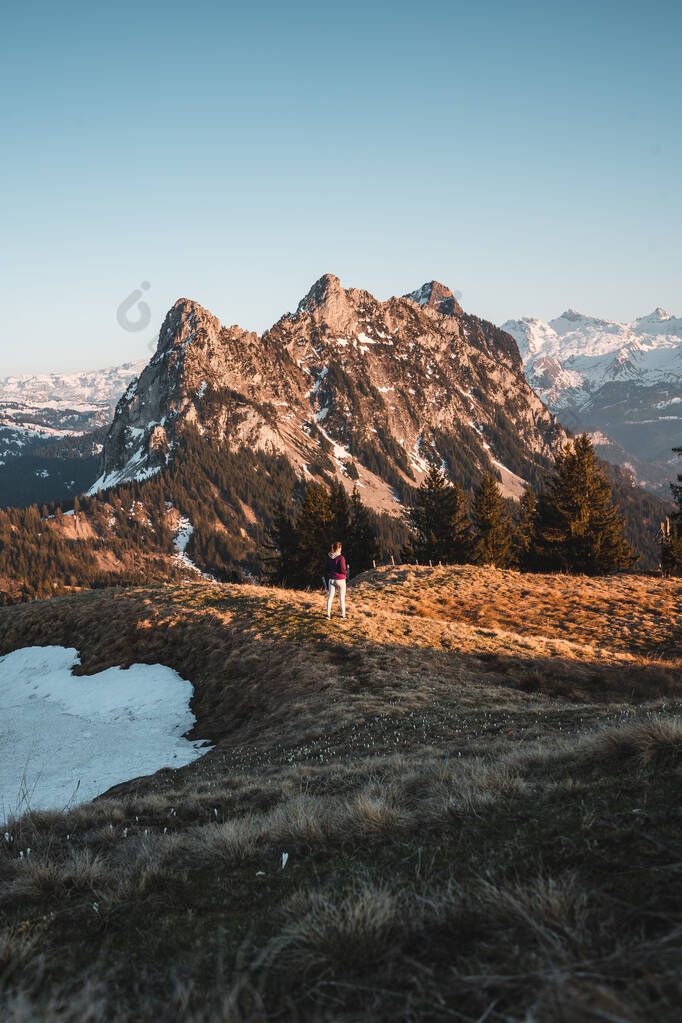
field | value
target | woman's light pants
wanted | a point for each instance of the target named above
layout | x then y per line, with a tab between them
340	585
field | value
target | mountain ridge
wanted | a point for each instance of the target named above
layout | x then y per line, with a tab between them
320	376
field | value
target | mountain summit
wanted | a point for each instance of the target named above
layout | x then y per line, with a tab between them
438	296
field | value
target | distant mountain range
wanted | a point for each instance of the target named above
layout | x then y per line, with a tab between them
45	407
51	430
620	381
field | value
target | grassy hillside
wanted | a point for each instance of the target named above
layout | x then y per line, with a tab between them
462	803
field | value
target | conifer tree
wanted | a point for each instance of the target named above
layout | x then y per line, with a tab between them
492	532
671	538
526	530
579	528
280	546
315	523
340	513
299	547
360	545
439	521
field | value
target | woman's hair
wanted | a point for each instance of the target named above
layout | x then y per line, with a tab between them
336	546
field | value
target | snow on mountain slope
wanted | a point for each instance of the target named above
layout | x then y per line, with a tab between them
37	409
621	379
595	351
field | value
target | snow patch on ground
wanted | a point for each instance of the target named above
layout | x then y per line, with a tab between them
182	537
319	380
511	485
340	452
65	739
132	470
417	460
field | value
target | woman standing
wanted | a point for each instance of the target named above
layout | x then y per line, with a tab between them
336	578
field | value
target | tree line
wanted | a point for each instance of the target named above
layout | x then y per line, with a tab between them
252	515
572	525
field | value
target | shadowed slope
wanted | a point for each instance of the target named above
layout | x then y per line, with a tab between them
407	815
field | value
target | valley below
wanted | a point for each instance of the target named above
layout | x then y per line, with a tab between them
461	803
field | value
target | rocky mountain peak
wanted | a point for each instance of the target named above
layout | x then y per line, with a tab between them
183	322
572	315
436	296
326	289
329	303
659	315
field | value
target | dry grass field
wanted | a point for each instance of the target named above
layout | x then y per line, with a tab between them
463	803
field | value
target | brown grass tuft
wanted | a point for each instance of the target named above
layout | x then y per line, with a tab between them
355	932
655	743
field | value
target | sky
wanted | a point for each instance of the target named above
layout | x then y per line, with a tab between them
526	154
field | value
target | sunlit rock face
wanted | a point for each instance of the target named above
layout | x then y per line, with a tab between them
387	385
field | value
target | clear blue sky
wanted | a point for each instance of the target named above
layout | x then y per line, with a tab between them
527	154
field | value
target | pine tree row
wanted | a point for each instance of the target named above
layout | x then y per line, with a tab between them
573	526
296	553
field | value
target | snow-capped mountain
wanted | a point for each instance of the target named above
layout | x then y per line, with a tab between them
622	381
346	385
37	409
51	429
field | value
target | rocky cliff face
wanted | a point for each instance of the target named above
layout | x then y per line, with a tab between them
347	386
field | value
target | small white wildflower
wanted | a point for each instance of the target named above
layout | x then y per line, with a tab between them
95	906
